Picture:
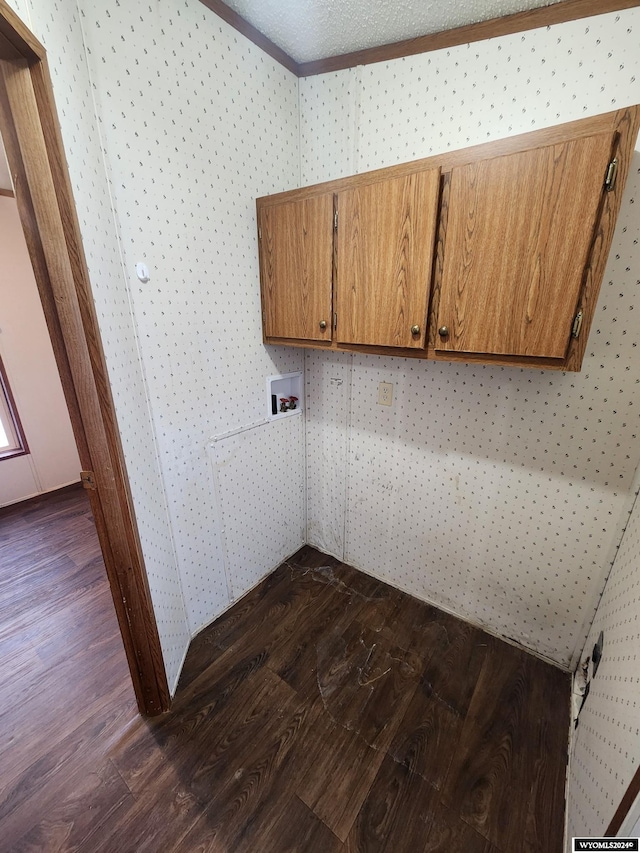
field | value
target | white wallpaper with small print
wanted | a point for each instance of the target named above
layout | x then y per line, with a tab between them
498	493
256	536
21	8
606	749
448	99
327	389
196	122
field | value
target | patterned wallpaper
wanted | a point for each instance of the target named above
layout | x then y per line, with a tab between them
606	749
173	123
258	460
498	493
465	95
196	122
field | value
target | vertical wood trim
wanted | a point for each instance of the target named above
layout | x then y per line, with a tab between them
45	203
625	804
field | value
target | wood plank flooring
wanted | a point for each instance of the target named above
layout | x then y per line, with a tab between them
324	712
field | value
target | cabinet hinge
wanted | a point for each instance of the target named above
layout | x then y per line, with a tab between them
264	316
88	479
577	325
259	233
335	321
335	220
612	173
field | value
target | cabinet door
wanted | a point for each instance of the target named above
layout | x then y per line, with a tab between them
296	259
386	235
517	241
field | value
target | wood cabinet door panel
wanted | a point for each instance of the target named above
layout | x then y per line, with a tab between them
297	268
386	235
518	237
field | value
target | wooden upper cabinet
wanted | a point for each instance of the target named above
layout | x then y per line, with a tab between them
493	253
385	242
296	254
518	237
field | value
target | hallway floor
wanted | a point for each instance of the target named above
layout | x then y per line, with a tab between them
324	712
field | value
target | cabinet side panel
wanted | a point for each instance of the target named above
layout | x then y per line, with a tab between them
519	233
386	235
297	259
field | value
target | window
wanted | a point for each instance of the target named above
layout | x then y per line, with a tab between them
12	439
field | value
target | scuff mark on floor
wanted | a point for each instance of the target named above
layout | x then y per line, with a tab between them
326	575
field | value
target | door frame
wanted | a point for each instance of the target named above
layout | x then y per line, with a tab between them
33	143
628	811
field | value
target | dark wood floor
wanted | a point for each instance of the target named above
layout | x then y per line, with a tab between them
324	712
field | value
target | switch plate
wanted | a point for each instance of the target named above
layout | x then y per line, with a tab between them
385	393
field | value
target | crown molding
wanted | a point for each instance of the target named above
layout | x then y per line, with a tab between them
545	16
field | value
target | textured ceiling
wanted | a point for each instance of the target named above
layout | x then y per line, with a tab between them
315	29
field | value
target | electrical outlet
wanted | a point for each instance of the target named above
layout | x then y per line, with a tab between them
385	393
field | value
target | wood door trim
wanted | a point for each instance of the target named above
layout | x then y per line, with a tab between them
16	34
625	804
545	16
47	211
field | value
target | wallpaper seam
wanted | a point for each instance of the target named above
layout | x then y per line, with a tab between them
345	530
299	121
357	110
29	11
217	503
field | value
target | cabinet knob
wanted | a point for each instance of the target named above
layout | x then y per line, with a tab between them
323	324
415	330
443	331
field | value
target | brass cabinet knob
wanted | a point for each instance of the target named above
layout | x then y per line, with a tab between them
443	331
415	330
323	324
